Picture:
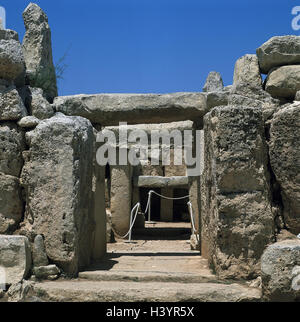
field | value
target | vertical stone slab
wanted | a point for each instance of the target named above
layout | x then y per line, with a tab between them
237	219
166	205
37	48
58	182
99	248
195	181
121	192
284	157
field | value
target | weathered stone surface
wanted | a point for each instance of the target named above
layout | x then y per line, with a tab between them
284	82
58	183
279	51
99	234
214	82
11	105
297	97
7	34
15	257
247	72
284	157
45	272
12	63
173	170
18	292
237	221
147	169
219	98
28	122
12	144
110	236
39	255
116	291
38	51
39	106
111	109
166	205
279	271
121	195
253	97
161	182
11	204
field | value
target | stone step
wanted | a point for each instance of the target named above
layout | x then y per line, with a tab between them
116	291
204	276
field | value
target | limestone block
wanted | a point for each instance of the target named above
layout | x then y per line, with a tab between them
11	204
247	72
15	257
37	50
11	105
121	196
57	178
214	82
12	144
279	51
280	268
284	157
236	217
284	82
111	109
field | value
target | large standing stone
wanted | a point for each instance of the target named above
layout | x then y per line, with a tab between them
11	105
15	257
280	270
38	51
120	202
279	51
284	157
99	238
12	144
284	82
11	205
214	82
247	72
58	181
237	222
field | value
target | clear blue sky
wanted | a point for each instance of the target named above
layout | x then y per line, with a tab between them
153	46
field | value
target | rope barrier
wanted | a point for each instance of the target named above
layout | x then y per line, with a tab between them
137	207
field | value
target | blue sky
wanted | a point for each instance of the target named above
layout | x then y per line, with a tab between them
156	46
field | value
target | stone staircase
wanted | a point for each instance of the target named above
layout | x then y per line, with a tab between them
147	271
